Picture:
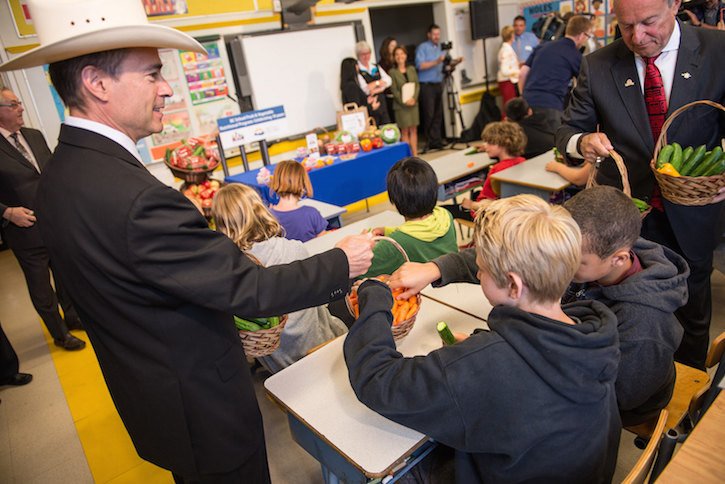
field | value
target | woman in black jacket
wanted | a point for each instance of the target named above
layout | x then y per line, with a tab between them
351	91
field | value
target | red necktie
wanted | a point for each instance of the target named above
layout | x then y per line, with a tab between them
654	96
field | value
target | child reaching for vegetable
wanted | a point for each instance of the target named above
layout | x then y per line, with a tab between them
239	213
504	141
291	182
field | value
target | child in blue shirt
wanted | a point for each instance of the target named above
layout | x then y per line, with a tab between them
291	182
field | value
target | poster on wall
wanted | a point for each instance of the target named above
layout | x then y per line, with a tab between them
601	10
199	98
157	8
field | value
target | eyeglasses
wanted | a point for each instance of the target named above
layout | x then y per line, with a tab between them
589	36
12	105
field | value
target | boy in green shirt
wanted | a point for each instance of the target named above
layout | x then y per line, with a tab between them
428	231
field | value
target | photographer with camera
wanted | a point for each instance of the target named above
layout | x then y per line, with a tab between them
707	14
432	63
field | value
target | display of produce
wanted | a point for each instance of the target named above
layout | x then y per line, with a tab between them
691	162
345	137
310	163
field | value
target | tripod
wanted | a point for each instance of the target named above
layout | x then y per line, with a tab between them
454	108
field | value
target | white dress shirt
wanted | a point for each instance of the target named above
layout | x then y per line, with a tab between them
105	130
666	64
385	79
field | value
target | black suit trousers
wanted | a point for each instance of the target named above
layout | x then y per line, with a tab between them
431	112
35	264
254	471
8	358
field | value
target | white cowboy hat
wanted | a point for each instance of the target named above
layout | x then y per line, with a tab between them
71	28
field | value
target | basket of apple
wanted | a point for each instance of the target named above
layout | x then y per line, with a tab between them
193	159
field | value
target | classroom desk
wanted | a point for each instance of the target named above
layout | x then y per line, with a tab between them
701	458
353	443
453	171
329	212
529	177
465	297
343	182
327	241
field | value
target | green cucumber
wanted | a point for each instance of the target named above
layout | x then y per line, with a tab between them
707	163
676	155
665	155
693	161
718	168
273	321
686	154
445	334
641	205
244	325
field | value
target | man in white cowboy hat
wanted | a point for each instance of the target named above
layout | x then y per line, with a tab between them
154	286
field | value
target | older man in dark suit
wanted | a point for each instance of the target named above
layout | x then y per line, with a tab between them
155	287
23	155
624	93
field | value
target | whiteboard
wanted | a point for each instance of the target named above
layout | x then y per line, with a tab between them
301	71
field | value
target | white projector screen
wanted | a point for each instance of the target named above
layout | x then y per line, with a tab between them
301	71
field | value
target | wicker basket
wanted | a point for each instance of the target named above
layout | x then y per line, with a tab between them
263	342
686	190
401	329
626	188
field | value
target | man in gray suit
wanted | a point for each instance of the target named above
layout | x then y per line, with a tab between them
23	155
624	92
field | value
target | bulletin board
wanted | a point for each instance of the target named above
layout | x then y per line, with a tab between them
604	19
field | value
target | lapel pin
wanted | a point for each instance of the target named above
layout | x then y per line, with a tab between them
686	75
629	83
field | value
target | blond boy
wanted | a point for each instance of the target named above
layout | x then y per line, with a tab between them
522	401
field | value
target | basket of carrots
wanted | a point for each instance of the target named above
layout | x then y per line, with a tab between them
688	175
404	311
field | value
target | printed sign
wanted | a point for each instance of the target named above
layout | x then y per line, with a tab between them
245	128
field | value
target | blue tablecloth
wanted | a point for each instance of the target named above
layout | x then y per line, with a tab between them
343	182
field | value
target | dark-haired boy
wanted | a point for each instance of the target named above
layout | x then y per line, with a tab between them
643	283
428	231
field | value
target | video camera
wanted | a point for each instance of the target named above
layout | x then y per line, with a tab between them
447	45
689	5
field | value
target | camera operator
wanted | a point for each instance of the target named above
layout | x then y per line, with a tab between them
708	14
432	63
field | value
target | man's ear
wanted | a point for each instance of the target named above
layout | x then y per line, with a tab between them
514	286
620	257
96	82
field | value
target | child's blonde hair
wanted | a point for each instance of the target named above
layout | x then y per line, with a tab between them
290	178
527	236
239	214
509	136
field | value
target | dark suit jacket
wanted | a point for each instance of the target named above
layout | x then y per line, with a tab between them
156	289
602	97
18	184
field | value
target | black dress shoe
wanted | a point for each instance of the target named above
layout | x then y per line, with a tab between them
17	379
74	324
70	343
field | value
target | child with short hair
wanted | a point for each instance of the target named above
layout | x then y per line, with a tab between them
505	141
428	231
643	283
531	400
291	182
240	214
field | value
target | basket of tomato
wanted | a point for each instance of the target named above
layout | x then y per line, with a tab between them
193	160
404	311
